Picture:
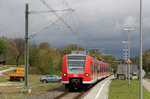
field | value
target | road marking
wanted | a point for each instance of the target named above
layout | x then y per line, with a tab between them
101	89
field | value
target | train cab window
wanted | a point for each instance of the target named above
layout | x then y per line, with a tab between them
76	64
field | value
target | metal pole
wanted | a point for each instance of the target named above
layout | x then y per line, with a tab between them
129	57
26	47
140	80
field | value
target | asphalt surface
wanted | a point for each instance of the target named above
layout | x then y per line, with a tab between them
100	91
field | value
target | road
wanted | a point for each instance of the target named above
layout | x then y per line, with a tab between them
2	71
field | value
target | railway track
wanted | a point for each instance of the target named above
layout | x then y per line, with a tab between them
70	95
75	95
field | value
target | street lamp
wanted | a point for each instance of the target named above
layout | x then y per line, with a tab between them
140	81
129	29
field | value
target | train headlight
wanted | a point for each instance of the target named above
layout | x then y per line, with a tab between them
65	74
86	74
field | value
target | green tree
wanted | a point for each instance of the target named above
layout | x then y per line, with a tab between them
44	45
136	60
146	60
20	45
16	50
3	47
44	61
72	47
95	53
111	60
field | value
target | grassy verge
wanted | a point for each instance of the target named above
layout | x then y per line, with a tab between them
12	91
119	89
12	65
3	68
148	73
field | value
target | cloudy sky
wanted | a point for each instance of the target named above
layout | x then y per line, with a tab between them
96	23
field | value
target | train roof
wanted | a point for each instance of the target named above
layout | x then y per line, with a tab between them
77	53
83	53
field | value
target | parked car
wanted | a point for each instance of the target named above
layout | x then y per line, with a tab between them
50	78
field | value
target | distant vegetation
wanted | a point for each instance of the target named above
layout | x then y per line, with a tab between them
43	59
146	61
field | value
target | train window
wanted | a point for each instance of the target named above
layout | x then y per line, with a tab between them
76	64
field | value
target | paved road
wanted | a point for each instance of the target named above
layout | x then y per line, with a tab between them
100	91
146	84
2	71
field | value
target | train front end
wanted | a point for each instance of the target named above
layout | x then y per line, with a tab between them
75	70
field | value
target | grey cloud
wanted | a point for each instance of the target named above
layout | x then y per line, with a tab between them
102	19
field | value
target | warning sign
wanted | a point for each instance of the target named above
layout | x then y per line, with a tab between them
128	61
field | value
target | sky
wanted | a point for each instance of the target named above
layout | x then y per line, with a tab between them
95	23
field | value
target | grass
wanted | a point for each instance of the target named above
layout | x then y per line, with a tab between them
13	91
119	89
148	73
3	68
3	79
12	65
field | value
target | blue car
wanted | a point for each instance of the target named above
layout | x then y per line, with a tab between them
50	78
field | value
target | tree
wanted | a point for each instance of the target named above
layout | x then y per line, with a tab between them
3	47
146	60
95	53
111	60
33	53
16	49
44	45
136	60
72	47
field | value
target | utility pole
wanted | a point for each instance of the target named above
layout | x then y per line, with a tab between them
27	12
140	80
26	88
129	61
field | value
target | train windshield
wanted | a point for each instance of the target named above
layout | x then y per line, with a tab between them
76	64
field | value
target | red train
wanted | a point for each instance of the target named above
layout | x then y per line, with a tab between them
79	70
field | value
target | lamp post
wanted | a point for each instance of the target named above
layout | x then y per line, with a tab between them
140	80
125	57
129	29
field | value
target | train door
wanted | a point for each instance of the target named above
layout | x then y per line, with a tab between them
92	70
102	70
96	71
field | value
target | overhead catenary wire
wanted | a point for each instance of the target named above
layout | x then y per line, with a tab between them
50	23
68	5
38	12
62	20
80	22
50	10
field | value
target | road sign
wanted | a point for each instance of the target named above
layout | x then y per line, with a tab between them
142	73
128	61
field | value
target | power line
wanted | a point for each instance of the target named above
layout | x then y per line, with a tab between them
50	23
38	12
51	9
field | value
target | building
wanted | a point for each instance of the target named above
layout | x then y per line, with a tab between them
122	71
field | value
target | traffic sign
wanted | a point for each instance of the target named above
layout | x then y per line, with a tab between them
128	61
142	73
